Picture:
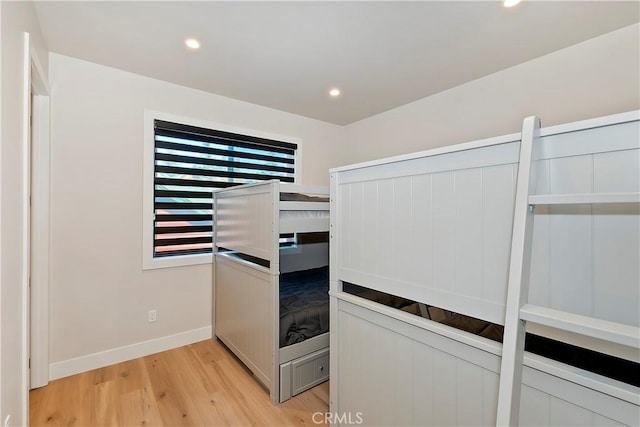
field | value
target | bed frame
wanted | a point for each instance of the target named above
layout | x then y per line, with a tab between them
538	229
249	220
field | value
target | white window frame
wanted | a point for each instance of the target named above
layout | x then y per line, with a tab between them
149	262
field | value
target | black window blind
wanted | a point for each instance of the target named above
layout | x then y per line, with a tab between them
190	162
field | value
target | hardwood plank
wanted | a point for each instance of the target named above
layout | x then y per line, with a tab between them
199	384
105	398
138	408
174	388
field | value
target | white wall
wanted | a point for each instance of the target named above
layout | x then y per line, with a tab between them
16	18
99	293
595	78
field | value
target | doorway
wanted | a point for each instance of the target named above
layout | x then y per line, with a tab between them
36	240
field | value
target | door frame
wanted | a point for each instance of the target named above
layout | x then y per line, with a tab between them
36	236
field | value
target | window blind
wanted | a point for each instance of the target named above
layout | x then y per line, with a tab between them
189	163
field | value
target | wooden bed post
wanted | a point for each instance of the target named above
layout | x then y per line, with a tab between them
274	260
518	285
333	287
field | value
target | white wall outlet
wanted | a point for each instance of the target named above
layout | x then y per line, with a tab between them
7	421
153	316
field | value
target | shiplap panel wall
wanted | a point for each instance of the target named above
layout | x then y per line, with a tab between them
439	233
420	384
245	223
398	374
585	257
245	320
542	409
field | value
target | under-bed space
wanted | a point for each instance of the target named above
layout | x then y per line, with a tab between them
454	251
271	282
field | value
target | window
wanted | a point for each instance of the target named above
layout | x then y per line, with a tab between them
188	163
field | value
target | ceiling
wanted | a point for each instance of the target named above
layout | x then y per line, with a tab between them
287	55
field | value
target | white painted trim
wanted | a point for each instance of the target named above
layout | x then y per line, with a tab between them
285	187
613	119
274	264
308	346
40	226
334	287
488	156
39	80
40	242
505	139
245	189
26	185
589	326
128	352
247	267
595	344
585	198
603	139
148	261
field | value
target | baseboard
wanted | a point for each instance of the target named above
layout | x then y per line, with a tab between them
128	352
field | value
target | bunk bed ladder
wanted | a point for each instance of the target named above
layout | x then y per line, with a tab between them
518	311
518	282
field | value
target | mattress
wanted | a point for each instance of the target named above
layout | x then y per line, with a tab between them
299	197
304	305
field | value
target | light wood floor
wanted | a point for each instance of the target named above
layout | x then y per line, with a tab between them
201	384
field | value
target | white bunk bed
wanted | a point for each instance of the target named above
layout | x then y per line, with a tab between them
249	266
539	229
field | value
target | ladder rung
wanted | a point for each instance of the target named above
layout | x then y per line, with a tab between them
584	198
584	325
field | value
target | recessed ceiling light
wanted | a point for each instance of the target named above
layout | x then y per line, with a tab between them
511	3
192	43
334	92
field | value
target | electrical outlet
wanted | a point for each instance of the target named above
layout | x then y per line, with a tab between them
152	316
7	421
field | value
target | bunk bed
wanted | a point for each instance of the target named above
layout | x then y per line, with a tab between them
537	230
270	301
